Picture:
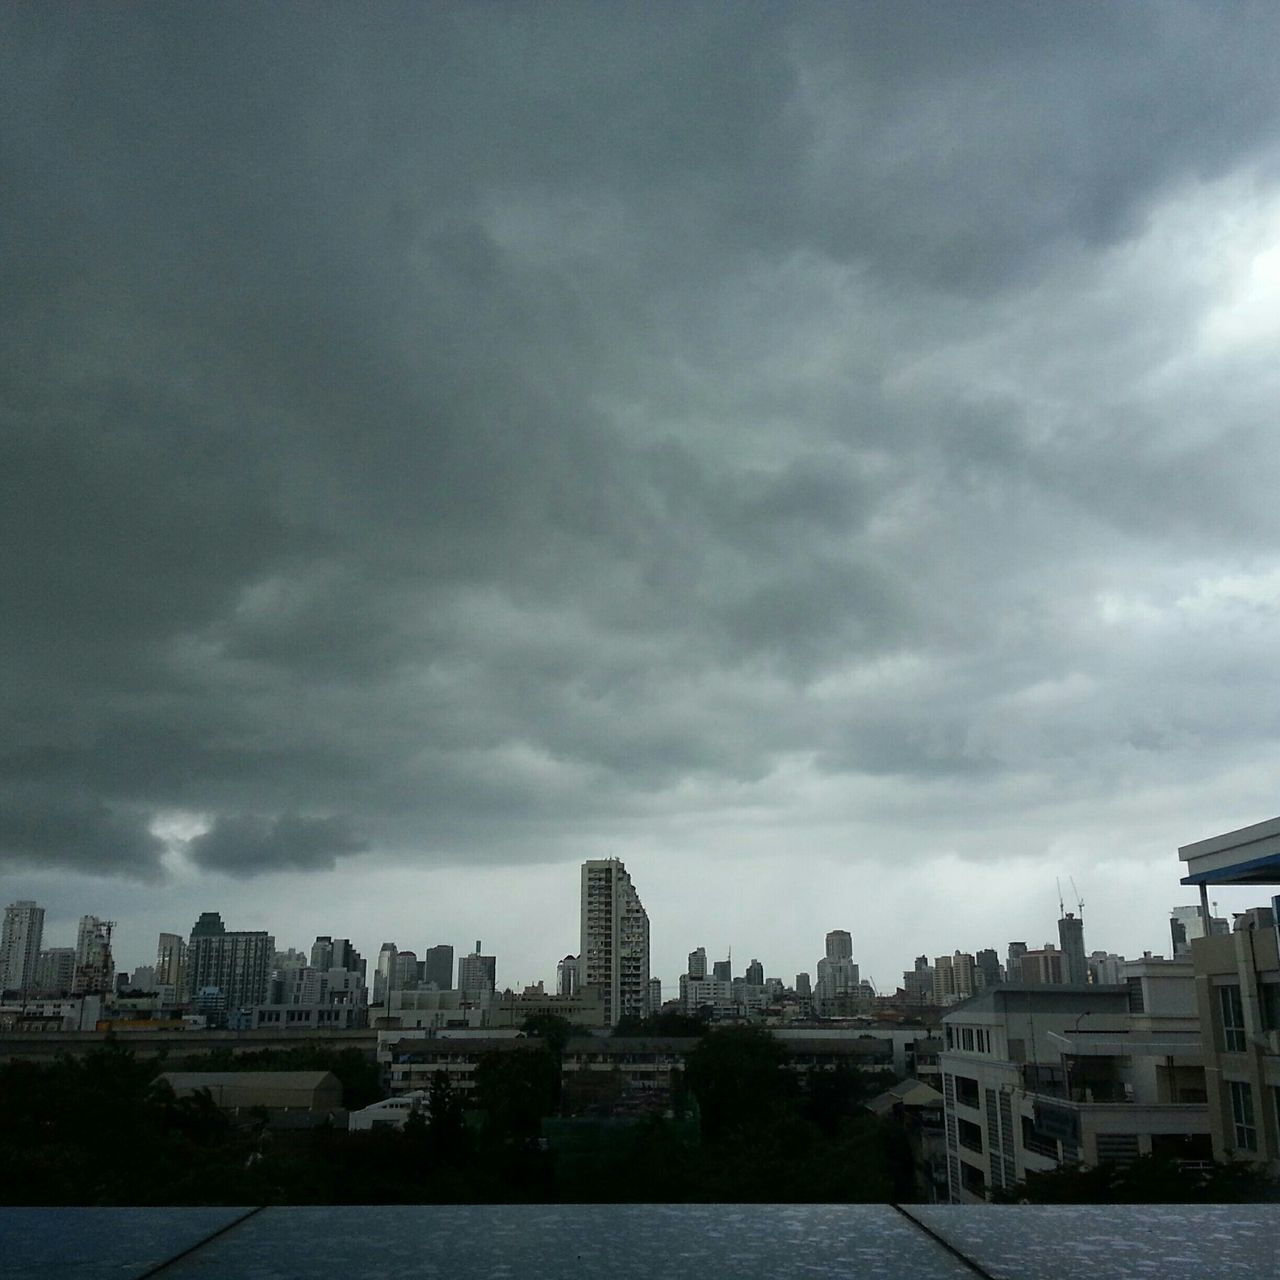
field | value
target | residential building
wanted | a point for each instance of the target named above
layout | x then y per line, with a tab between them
838	989
987	972
1075	968
567	976
95	966
143	978
437	967
55	972
722	970
477	973
171	963
839	945
655	995
406	971
384	974
20	945
1013	966
953	977
614	953
1238	994
1187	923
1043	968
1040	1076
698	963
1106	968
755	974
918	982
236	963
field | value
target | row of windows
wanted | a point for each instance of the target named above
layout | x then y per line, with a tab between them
969	1039
1244	1118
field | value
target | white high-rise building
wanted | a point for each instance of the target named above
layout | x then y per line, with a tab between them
20	945
614	955
95	967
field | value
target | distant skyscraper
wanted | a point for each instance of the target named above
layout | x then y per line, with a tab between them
477	973
804	986
755	974
567	976
839	945
437	967
722	970
1075	964
988	967
698	964
384	976
406	971
655	995
614	955
1013	970
235	963
20	945
1185	923
95	966
171	962
56	971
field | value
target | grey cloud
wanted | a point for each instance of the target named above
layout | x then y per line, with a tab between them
64	827
482	425
248	845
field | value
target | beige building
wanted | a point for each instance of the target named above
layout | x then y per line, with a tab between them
1238	993
316	1091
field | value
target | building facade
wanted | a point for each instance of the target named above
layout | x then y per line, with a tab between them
20	945
235	963
614	951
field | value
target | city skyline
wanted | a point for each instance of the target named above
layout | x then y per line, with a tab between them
820	455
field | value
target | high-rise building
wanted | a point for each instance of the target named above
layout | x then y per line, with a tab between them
1043	968
1186	923
839	945
20	945
567	976
437	967
477	973
838	989
804	986
1013	969
988	967
235	963
171	963
406	971
722	971
614	953
56	971
95	966
384	976
755	974
917	983
698	963
1075	964
655	994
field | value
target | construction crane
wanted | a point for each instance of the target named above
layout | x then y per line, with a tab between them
1079	899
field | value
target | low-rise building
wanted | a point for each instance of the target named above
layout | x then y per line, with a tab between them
1040	1076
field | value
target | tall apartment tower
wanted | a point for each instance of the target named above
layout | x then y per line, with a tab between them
236	963
437	967
614	955
20	945
839	945
477	973
171	962
1071	940
698	963
95	966
567	976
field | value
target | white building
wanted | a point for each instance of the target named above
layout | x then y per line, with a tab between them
390	1113
1040	1076
20	945
614	955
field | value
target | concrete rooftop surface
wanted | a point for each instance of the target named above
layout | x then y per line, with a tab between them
644	1242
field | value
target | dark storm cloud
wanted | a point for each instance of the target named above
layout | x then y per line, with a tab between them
482	422
47	826
247	845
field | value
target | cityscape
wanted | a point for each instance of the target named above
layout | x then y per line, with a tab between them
1001	1063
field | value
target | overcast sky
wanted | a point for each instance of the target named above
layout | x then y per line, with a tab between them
825	456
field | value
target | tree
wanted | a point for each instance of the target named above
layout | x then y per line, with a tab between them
738	1076
516	1088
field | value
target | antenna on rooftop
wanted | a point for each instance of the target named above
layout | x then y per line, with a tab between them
1079	899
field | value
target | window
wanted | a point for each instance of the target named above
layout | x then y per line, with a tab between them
970	1136
966	1091
1137	1004
1232	1009
951	1037
966	1038
1242	1115
1270	994
972	1179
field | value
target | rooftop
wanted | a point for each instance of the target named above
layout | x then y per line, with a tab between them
638	1242
1249	855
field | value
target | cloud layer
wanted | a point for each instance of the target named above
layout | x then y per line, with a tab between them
483	435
